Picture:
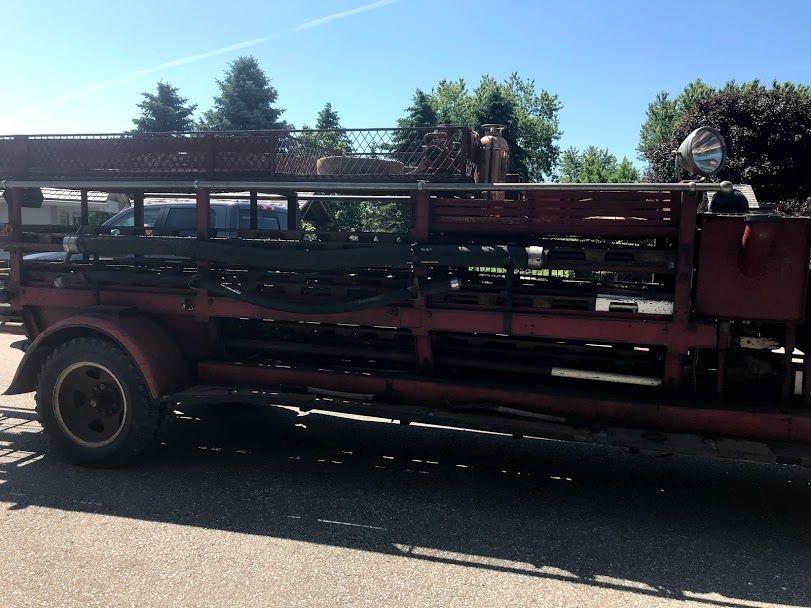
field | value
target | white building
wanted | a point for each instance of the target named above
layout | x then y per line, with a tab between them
63	207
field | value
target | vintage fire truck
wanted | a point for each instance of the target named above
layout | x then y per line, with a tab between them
657	317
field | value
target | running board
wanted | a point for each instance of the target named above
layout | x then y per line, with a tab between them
511	421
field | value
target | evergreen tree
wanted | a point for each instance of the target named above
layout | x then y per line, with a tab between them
420	116
327	118
421	113
329	142
246	100
164	110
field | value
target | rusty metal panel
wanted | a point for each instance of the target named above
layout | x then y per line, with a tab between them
761	277
563	212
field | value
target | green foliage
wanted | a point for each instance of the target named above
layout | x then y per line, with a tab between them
569	166
767	132
595	165
453	103
493	103
349	215
663	113
97	218
531	117
246	100
538	126
660	117
164	110
373	216
626	172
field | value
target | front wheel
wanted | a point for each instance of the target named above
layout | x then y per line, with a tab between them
94	405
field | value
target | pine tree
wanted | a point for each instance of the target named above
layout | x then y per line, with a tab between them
327	118
246	100
164	110
421	113
332	141
420	116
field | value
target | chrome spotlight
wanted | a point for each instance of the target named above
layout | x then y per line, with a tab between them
703	152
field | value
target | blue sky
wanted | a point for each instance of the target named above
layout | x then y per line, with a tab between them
79	65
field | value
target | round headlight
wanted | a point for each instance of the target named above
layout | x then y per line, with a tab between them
703	151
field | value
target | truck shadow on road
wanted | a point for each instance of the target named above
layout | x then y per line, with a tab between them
715	532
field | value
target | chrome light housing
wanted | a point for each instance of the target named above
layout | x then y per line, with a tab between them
703	152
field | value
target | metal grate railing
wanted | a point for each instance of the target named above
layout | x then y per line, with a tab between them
444	153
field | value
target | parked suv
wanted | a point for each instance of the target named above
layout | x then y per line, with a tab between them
179	218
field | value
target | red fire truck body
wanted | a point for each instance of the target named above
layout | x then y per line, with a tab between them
622	314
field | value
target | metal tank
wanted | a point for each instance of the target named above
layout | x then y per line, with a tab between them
494	160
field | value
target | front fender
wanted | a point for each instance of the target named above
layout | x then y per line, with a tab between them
150	346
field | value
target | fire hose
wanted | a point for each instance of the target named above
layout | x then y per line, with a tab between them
227	289
302	257
390	298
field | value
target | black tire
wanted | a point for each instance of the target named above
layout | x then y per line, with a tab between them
127	427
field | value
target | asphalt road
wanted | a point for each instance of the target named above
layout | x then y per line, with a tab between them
263	508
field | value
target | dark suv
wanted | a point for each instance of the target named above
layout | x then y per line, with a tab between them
179	217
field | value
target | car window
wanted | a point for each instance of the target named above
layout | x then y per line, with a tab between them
151	215
180	218
185	218
266	219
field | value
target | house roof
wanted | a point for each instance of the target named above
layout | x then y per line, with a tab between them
93	196
58	194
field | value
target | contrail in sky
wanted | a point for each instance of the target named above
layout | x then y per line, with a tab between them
109	84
